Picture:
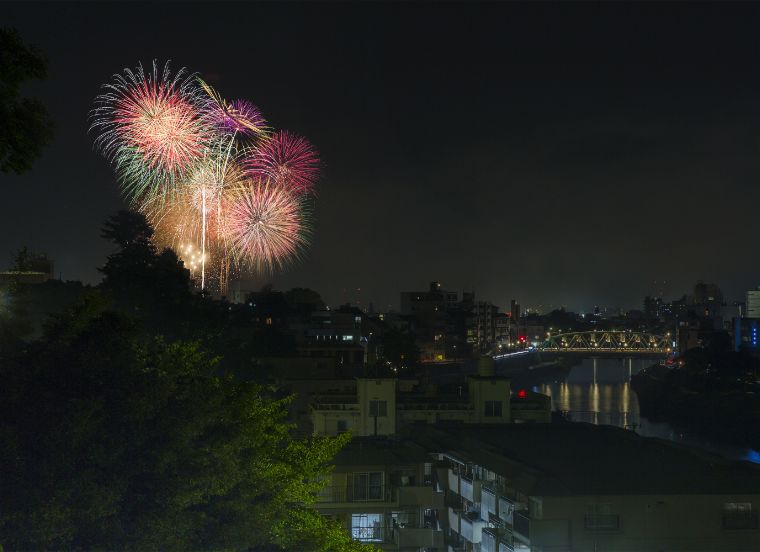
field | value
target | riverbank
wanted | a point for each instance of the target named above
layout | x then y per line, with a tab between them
728	415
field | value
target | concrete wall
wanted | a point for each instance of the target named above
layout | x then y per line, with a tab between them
368	390
647	523
485	389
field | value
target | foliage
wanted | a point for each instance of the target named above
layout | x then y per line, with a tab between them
110	441
25	125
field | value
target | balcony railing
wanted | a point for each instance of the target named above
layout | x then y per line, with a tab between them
335	406
743	520
418	537
343	493
496	540
521	524
602	522
457	406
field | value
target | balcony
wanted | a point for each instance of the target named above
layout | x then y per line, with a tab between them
338	406
602	522
466	488
454	520
423	496
488	501
346	494
458	406
496	540
521	525
740	520
453	481
418	537
471	529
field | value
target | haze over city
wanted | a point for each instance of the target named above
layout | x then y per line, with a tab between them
561	155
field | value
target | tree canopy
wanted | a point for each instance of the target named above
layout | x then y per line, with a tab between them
25	125
112	441
123	428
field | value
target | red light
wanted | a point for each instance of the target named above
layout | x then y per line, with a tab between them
522	393
522	338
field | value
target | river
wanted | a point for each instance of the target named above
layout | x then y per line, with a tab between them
598	391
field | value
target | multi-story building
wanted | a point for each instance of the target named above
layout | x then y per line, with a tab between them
379	408
385	406
752	304
708	303
514	489
427	311
502	330
481	326
383	492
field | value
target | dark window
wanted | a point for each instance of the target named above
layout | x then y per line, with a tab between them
342	426
378	408
368	486
493	409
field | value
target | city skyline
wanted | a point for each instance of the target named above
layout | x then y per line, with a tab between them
565	155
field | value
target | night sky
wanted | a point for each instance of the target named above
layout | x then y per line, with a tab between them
556	154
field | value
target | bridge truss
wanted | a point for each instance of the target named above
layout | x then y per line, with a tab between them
608	342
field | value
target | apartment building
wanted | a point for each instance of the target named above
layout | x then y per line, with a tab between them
382	406
382	491
515	488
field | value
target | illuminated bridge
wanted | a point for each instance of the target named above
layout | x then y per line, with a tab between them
608	342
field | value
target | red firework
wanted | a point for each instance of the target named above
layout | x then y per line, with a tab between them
286	159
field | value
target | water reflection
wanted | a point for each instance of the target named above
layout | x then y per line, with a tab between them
598	391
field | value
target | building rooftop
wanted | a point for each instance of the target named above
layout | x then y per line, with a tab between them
583	459
375	451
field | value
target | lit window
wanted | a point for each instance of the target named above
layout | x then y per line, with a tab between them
367	527
269	321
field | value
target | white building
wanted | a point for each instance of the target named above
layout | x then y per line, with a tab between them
752	308
577	487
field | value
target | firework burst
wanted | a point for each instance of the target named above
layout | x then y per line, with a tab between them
235	117
288	160
149	125
266	225
216	186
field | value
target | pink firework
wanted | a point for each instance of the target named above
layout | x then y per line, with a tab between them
288	160
265	225
162	126
237	116
150	125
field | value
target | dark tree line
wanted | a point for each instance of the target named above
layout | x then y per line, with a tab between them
121	428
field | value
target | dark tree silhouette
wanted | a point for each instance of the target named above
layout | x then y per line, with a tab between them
109	441
25	125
